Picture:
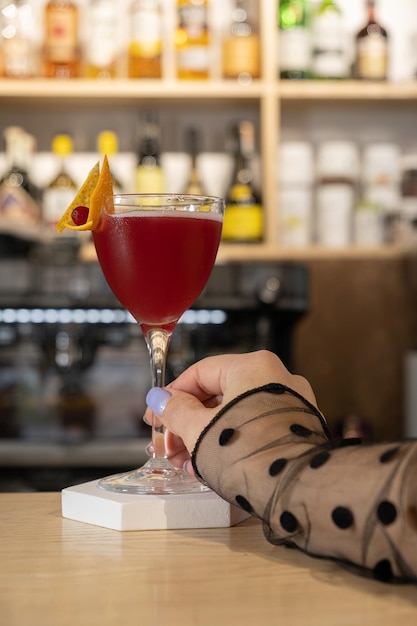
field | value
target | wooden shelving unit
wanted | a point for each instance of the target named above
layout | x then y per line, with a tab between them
269	95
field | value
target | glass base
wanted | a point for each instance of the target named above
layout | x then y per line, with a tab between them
156	477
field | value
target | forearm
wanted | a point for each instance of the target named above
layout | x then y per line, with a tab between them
271	453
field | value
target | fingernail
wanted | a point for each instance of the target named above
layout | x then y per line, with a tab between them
187	467
157	399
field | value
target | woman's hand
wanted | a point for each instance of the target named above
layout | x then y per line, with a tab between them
189	403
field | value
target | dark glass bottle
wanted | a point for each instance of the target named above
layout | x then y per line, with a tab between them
243	219
372	48
149	175
194	185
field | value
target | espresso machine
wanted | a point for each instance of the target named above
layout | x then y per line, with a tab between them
74	368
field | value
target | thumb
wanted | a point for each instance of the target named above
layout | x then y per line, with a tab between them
181	413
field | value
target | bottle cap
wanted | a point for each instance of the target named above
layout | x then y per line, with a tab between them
107	142
62	145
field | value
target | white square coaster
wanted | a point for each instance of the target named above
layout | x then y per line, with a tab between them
92	505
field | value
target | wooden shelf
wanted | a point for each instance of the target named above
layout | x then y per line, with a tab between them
361	91
121	90
269	96
265	252
270	252
124	90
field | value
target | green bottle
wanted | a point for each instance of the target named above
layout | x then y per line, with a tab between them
294	39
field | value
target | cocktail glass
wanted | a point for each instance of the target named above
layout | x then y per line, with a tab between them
157	253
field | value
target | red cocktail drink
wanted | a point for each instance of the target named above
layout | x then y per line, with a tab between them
157	253
157	263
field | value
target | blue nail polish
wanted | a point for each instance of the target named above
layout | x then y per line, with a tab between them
157	399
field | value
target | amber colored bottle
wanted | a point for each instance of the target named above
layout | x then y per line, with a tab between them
145	47
241	50
61	50
372	48
192	40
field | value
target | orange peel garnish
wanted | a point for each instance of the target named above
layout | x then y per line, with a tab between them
102	196
95	193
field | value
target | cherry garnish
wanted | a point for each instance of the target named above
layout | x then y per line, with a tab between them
80	215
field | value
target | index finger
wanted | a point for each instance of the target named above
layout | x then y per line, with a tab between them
222	378
206	379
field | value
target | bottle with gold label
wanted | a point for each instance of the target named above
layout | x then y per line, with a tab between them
243	219
60	192
192	40
241	51
145	47
149	175
61	50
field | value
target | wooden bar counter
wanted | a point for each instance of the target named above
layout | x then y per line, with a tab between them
58	572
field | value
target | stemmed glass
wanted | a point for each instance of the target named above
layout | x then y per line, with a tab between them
157	253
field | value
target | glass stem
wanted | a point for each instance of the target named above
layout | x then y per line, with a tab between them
157	341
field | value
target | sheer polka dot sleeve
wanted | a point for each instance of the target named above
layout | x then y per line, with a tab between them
270	452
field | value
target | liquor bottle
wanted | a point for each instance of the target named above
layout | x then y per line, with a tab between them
145	47
194	185
329	42
192	40
149	175
108	144
241	50
243	218
20	55
61	52
101	48
372	48
20	198
60	192
294	39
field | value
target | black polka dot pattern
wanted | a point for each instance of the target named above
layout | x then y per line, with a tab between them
225	436
300	431
244	504
342	517
350	441
386	513
347	499
388	455
277	466
383	571
319	459
288	522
